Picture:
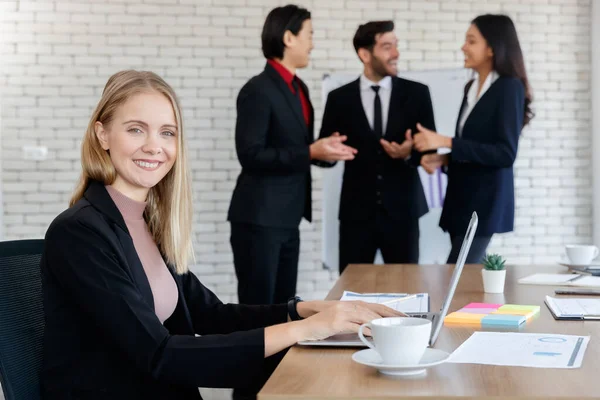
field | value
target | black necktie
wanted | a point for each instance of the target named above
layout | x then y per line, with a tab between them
377	120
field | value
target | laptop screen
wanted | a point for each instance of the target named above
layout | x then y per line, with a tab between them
460	263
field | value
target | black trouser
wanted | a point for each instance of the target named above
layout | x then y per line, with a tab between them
476	252
397	240
266	262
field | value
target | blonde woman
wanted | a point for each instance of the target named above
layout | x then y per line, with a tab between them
122	310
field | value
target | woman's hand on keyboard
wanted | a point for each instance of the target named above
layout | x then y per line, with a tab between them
342	317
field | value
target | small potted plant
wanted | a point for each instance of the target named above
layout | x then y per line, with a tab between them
493	273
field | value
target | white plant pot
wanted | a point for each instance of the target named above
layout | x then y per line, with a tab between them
493	281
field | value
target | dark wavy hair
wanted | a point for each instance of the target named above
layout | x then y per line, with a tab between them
501	35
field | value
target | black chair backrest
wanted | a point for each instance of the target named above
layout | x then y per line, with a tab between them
21	318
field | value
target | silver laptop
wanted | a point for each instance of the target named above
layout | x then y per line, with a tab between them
437	318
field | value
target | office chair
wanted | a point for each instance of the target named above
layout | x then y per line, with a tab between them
21	318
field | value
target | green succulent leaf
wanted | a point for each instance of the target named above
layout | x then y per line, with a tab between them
493	262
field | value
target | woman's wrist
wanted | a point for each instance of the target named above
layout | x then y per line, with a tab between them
445	142
307	308
279	337
301	330
295	331
449	142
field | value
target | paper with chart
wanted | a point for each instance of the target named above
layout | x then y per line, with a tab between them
536	350
417	303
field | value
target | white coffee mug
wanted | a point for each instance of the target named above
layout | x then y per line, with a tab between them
398	340
581	254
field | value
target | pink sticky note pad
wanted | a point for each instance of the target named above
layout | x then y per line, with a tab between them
483	305
478	310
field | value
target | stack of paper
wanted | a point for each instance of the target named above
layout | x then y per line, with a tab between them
507	315
403	302
561	280
574	308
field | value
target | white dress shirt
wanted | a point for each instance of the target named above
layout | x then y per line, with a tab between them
367	95
473	97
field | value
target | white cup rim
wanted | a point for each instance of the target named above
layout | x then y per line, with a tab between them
579	246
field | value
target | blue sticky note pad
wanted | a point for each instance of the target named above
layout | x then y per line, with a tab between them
503	320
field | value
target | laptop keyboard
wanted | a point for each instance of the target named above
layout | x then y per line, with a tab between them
418	315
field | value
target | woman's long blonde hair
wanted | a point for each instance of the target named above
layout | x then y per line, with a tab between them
169	209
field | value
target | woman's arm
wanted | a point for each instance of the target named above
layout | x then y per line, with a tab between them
209	315
335	317
321	318
84	260
506	128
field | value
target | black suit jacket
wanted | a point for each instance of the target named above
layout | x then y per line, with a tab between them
373	176
103	339
480	172
272	142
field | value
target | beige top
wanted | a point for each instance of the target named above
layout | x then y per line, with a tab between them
164	288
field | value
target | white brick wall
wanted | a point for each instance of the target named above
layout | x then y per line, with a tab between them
57	55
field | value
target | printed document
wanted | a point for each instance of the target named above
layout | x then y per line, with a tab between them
536	350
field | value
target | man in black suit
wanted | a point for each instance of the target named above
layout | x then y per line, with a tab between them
274	143
382	198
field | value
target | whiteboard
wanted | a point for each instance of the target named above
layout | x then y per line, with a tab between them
446	88
1	189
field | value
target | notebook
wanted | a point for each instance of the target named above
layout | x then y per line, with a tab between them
492	315
574	308
561	280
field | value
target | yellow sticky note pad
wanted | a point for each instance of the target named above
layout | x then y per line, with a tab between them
513	312
464	318
527	311
510	309
515	307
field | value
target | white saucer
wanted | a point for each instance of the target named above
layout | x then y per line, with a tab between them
370	358
593	265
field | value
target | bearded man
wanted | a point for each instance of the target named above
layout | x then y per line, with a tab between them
382	197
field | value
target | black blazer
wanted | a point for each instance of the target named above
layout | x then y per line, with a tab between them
103	339
480	172
374	176
272	142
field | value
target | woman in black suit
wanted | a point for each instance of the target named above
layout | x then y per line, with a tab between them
495	108
123	312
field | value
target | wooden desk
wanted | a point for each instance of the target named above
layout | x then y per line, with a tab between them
330	373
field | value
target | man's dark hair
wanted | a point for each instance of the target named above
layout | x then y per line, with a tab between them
279	20
365	36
